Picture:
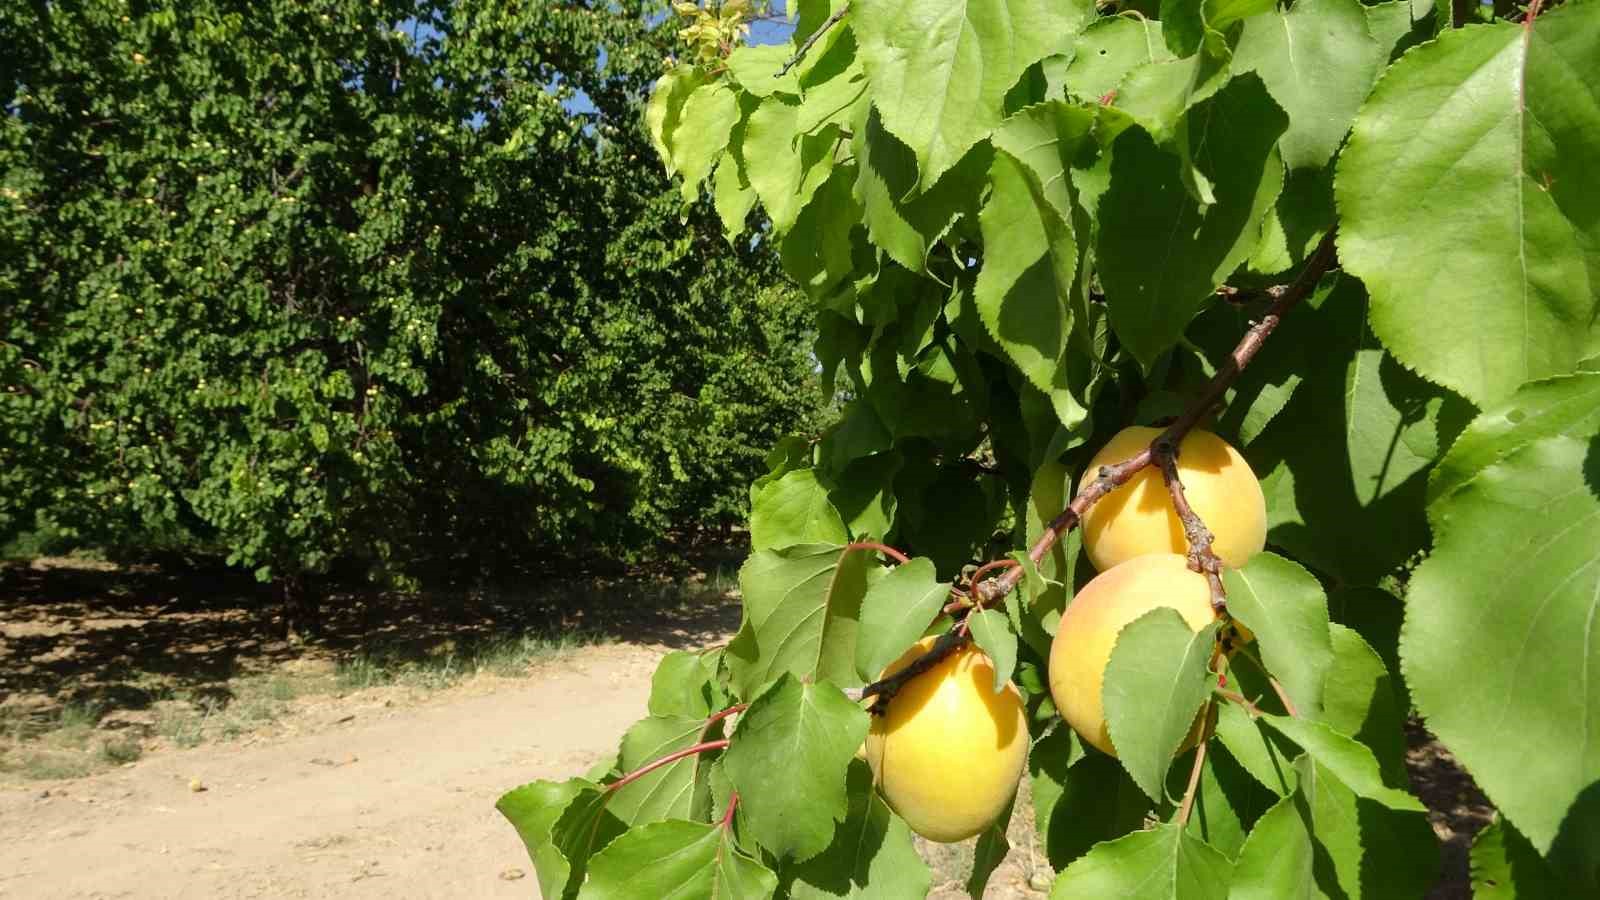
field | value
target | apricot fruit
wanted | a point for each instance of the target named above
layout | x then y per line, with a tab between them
1091	622
1138	517
948	751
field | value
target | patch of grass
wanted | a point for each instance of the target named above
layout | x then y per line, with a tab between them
180	723
47	765
119	751
450	663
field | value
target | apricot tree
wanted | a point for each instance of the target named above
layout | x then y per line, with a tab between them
1294	308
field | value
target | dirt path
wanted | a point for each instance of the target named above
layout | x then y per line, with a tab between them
393	803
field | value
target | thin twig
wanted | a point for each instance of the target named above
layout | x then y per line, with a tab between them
885	549
723	714
1283	696
1202	558
1240	699
976	590
885	688
1199	764
670	758
815	36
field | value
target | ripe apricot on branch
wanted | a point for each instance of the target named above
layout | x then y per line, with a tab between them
948	752
1138	517
1091	622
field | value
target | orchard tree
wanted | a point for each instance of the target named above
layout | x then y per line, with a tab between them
1221	386
377	281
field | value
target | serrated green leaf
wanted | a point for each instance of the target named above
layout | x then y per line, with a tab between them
583	829
1227	802
1499	636
1503	114
732	195
1318	60
895	614
1360	472
1505	866
1358	699
1324	841
662	112
795	510
677	859
1163	863
1097	801
704	125
1110	48
1352	762
801	607
939	69
533	810
788	761
1193	24
819	249
682	686
1565	405
872	857
1256	749
989	852
667	792
1155	683
1146	214
755	67
783	166
899	218
993	635
1284	606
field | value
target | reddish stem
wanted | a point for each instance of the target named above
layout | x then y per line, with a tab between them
727	817
975	585
670	758
730	711
885	549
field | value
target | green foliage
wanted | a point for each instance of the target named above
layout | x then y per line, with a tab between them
1023	226
387	281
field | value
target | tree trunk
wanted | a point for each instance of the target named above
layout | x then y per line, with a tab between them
301	605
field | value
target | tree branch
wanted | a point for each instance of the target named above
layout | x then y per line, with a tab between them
1187	805
815	36
1111	477
1202	558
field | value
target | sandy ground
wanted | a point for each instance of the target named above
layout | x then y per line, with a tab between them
395	802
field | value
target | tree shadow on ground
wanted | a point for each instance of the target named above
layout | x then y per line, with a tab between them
125	637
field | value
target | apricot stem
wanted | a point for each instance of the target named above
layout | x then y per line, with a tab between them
670	758
1187	805
885	549
727	817
1202	558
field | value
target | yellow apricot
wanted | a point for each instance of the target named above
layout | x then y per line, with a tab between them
948	752
1090	624
1138	517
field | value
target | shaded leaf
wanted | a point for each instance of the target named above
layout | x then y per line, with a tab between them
1155	683
895	614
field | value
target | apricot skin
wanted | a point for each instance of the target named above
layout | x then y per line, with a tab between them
1091	622
1138	517
948	753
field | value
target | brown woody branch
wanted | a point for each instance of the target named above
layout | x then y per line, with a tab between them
1202	558
1111	477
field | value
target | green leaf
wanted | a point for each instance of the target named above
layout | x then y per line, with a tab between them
1325	841
801	606
1568	404
662	113
788	762
784	167
1506	867
901	220
1025	285
677	859
1147	214
1163	863
1499	633
668	792
993	635
683	685
1191	25
1108	50
864	494
732	195
562	825
1096	801
939	70
755	67
1358	699
1155	683
818	251
1506	115
873	855
895	614
1318	60
1284	606
1352	762
990	852
1256	749
795	510
1351	452
1227	802
704	124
